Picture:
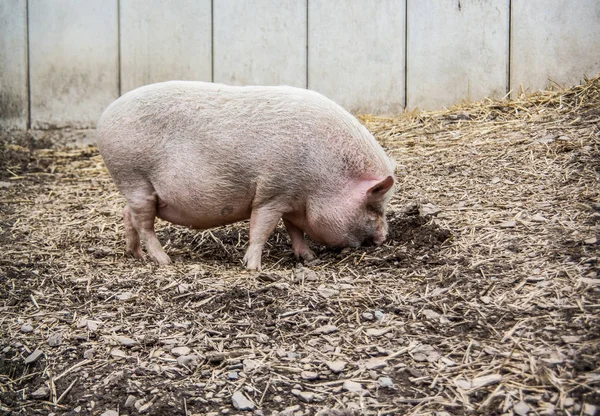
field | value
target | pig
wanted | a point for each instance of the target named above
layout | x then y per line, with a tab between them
204	155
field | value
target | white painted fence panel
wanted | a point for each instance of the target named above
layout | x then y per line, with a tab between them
14	99
63	61
557	39
356	53
456	50
73	52
260	42
163	40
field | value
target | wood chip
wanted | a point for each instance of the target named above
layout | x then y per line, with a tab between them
309	375
375	363
352	386
508	224
377	332
241	402
178	351
117	353
521	408
486	380
126	341
336	366
55	339
326	329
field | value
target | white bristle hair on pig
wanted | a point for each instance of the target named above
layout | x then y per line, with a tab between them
204	155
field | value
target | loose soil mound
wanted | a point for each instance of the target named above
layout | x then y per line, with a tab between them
484	299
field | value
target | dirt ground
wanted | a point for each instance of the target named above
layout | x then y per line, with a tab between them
484	300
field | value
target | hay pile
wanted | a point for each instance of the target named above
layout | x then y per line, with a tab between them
484	300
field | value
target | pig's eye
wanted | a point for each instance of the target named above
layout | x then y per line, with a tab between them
374	213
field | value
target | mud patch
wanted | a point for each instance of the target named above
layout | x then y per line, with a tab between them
421	233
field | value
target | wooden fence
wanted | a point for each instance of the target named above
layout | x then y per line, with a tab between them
63	61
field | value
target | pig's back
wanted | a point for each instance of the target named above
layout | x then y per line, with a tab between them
167	129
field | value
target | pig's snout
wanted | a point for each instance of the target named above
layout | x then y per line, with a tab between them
368	242
375	240
380	234
373	235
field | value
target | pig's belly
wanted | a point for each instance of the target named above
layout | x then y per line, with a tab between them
202	213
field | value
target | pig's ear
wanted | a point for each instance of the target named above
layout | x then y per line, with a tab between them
380	189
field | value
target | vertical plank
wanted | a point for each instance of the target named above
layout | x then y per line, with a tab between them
14	104
356	53
554	39
164	40
260	42
456	49
73	54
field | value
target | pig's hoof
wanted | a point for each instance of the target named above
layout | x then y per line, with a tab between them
252	262
161	258
305	254
252	257
253	265
308	255
136	253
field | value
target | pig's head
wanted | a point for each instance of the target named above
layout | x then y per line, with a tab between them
354	216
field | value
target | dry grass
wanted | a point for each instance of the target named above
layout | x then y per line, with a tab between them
491	306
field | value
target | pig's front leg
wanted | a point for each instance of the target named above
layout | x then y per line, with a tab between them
299	244
263	221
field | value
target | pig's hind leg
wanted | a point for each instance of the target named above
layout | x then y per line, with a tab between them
132	238
139	215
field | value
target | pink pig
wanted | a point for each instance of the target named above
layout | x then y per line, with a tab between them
204	155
